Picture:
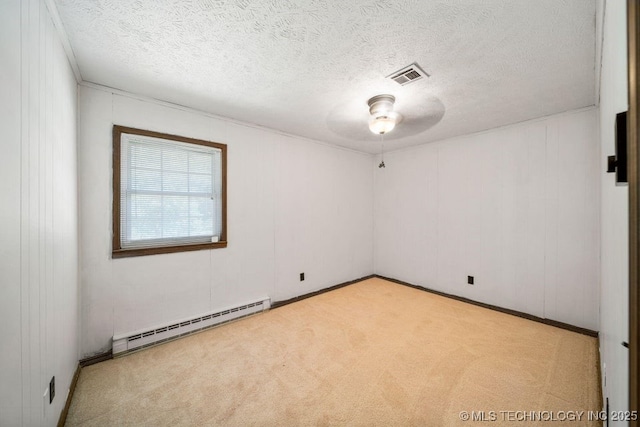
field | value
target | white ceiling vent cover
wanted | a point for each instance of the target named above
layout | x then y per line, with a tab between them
408	74
139	339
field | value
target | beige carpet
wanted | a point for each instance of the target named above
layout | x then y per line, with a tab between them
372	353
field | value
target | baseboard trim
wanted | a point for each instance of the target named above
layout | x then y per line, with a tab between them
527	316
96	359
72	388
600	391
277	304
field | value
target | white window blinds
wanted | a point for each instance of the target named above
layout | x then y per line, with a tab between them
170	192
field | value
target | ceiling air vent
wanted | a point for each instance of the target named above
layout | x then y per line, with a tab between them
408	74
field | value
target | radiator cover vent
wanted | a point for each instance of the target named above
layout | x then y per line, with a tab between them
124	343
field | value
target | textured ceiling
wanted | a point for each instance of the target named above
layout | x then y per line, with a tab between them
307	67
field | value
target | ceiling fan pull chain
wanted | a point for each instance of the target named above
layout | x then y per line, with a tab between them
382	165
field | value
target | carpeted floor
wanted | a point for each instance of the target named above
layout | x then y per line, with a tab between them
372	353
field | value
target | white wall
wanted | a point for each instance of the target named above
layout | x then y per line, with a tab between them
38	213
614	309
516	207
293	206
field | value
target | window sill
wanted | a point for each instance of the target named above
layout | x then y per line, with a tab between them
124	253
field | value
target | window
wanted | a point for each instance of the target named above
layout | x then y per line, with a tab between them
169	193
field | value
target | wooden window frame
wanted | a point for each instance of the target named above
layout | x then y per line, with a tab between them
117	251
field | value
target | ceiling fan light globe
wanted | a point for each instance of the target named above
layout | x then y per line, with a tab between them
382	124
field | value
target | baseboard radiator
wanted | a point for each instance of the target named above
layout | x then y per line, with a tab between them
124	343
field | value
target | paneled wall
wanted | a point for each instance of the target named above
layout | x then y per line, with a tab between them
515	207
293	206
38	213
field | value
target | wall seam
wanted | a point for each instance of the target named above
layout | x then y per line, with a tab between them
23	82
546	221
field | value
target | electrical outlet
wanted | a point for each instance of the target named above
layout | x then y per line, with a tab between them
302	277
52	389
470	280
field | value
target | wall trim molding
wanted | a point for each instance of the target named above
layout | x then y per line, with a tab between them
92	360
449	140
187	109
277	304
561	325
64	38
599	371
109	355
72	388
550	322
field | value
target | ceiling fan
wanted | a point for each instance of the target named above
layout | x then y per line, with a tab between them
394	116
